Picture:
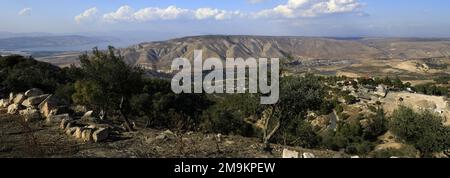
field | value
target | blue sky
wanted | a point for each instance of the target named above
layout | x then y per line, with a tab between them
173	18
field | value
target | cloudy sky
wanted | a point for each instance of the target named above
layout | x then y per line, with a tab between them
174	18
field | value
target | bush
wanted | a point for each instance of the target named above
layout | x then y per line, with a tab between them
18	74
424	130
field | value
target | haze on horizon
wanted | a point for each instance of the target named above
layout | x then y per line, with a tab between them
159	20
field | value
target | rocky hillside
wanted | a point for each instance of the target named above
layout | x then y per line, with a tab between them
160	54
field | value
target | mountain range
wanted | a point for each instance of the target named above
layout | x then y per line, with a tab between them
158	55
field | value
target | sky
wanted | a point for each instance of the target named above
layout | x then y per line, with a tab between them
162	19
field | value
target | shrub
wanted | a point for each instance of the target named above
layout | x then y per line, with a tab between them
424	130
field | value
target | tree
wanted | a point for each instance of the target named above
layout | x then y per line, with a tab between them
424	130
107	82
297	96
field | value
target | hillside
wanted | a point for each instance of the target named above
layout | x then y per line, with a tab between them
160	54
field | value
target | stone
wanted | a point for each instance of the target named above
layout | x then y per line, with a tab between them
87	114
33	92
86	135
308	155
30	115
48	106
18	99
4	103
167	134
11	97
57	118
289	154
354	157
13	109
64	123
71	130
100	135
77	133
33	102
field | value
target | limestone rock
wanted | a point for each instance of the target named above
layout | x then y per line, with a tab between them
11	97
18	99
100	135
64	123
86	135
77	133
308	155
48	105
13	109
30	115
4	103
33	92
33	102
289	154
71	130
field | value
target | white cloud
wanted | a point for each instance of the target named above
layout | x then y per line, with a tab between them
127	14
124	13
208	13
153	13
290	10
25	11
87	15
310	8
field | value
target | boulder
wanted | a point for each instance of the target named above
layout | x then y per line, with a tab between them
100	135
308	155
71	130
33	102
48	105
11	97
13	109
289	154
77	133
64	123
354	157
18	99
30	115
86	135
33	92
57	118
4	103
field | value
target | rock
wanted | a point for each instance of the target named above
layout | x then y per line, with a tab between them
165	135
308	155
100	135
87	114
48	105
11	97
64	123
71	130
33	92
69	125
86	135
33	102
13	109
393	157
4	103
289	154
77	133
57	118
30	115
355	156
18	99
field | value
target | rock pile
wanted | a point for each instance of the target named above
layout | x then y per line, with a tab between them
34	106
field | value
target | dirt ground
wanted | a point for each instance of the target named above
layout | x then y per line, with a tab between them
25	140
